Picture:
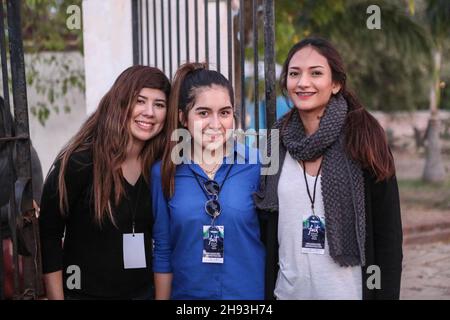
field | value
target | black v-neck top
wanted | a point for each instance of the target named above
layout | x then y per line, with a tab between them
97	251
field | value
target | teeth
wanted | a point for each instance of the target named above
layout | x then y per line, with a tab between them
305	93
143	124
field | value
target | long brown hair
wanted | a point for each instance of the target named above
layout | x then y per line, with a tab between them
365	139
189	78
107	133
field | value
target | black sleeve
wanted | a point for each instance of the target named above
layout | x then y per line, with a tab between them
51	220
268	222
388	236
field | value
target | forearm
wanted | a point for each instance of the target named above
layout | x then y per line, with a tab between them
163	284
54	285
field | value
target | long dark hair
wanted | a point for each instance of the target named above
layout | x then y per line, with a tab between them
106	132
189	78
365	139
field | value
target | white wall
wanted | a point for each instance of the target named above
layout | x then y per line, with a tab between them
108	45
59	127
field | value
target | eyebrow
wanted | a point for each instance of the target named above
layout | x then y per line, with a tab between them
312	67
156	100
207	108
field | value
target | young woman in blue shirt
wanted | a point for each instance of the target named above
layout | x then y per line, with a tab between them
206	231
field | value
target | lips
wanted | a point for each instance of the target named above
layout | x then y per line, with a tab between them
212	137
304	95
144	125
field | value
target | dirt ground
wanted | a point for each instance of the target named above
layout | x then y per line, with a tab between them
426	224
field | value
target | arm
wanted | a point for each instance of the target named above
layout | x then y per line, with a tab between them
388	236
52	222
163	284
54	285
51	232
161	236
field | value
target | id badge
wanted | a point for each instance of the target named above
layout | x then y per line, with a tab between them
134	251
313	238
213	237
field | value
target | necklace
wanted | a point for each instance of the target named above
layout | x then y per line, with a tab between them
211	173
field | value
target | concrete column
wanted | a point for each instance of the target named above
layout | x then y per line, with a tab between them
108	49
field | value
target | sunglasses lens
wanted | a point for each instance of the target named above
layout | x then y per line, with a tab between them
212	208
212	187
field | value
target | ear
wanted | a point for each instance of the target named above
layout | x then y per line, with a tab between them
181	118
336	88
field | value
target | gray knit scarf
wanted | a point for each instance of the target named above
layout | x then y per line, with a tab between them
342	180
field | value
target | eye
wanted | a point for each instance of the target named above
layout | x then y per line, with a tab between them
293	73
160	105
140	101
225	113
316	73
203	113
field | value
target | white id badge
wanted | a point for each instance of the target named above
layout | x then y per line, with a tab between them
134	251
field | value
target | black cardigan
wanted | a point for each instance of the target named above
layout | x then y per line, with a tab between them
383	240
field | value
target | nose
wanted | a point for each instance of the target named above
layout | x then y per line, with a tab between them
214	122
303	81
149	110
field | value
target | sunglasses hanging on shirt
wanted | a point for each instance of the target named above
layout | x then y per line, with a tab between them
213	236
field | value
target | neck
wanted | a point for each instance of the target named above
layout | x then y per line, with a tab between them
134	150
311	120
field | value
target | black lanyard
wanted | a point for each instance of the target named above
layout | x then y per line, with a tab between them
133	210
196	175
313	198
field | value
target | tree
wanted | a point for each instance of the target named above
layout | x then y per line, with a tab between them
45	33
437	18
388	67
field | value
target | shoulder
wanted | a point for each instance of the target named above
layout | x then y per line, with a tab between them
379	188
80	165
156	170
79	162
247	155
81	159
78	173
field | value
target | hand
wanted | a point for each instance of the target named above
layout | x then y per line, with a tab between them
37	210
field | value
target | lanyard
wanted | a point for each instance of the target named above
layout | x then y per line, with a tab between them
313	198
133	210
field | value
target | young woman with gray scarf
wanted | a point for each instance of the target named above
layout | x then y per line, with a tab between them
330	216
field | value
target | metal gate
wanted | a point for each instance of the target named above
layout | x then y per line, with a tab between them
18	217
224	33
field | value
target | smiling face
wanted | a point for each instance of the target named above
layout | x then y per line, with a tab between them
148	115
309	81
210	120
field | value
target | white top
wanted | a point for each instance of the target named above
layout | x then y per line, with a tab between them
307	275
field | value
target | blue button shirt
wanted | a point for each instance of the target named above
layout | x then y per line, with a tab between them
178	230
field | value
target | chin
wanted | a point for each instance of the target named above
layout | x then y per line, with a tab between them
307	108
145	137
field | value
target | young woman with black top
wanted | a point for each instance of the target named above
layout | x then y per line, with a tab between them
331	215
96	215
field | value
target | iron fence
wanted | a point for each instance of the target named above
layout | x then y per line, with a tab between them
224	33
18	217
